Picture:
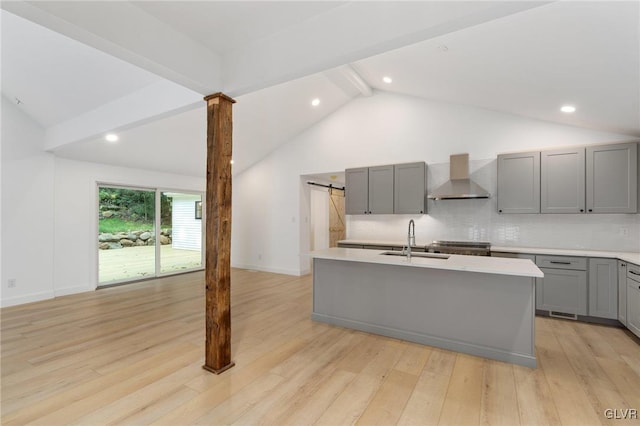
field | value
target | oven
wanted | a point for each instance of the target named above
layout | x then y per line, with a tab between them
466	248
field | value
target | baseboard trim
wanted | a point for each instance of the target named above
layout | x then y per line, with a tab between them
71	290
27	298
293	272
425	339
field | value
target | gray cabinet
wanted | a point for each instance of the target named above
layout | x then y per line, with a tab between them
410	188
519	183
633	298
603	288
356	191
563	290
612	178
399	189
622	292
380	190
562	181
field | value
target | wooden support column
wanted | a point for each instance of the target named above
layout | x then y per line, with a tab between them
218	234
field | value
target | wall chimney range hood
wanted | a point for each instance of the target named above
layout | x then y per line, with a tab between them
459	186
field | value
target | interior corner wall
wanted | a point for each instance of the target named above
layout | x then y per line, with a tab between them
76	215
269	218
27	210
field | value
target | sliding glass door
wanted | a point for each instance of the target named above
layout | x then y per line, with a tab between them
145	233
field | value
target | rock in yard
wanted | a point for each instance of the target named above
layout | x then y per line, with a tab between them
145	236
164	240
126	243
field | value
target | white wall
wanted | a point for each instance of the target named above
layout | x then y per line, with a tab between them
186	230
271	203
27	209
76	217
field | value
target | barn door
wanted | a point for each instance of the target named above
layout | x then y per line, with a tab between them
336	217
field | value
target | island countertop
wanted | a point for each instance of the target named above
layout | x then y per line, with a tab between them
481	264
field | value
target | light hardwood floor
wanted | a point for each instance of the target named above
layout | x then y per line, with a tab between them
133	355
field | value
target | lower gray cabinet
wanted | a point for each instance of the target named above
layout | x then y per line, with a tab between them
633	307
564	286
622	292
633	298
562	291
603	288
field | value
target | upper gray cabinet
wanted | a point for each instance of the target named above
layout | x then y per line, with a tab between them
399	189
410	188
562	181
519	182
595	179
612	178
356	191
380	190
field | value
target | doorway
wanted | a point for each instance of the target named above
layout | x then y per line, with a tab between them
327	217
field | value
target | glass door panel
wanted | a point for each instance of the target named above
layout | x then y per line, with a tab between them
126	234
180	232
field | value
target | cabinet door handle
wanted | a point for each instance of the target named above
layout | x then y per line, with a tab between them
590	210
559	263
581	210
634	273
500	211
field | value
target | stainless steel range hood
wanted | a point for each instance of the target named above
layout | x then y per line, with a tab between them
459	186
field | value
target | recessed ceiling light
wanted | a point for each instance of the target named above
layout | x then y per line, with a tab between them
568	109
112	137
387	79
315	102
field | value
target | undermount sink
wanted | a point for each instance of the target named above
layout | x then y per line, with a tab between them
417	254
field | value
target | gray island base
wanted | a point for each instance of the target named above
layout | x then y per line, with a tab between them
483	314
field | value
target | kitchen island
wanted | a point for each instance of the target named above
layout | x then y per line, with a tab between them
482	306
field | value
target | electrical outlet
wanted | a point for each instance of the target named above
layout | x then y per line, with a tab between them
11	282
623	231
260	256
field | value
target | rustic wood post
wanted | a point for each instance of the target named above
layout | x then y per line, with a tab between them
218	234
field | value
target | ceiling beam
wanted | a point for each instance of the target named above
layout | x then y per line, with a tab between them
349	81
144	105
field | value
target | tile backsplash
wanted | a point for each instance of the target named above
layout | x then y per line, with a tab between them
478	220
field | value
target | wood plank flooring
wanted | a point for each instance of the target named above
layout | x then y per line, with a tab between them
132	355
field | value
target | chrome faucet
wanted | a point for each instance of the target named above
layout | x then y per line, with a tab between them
411	237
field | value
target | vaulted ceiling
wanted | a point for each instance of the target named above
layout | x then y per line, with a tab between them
82	69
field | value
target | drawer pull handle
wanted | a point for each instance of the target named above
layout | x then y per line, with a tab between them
634	273
560	263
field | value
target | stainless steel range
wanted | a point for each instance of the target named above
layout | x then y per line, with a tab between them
468	248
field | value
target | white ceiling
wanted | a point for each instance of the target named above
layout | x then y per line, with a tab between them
224	26
36	69
581	53
516	57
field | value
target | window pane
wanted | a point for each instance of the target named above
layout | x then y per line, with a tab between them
126	235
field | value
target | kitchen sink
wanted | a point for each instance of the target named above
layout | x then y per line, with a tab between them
417	254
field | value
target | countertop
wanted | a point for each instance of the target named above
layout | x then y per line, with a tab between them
480	264
625	256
